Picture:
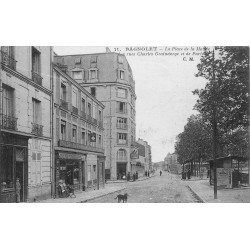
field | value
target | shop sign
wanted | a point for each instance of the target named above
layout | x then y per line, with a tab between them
71	156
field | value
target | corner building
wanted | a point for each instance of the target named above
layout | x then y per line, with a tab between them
109	78
25	122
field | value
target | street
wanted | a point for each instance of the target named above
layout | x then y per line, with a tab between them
167	188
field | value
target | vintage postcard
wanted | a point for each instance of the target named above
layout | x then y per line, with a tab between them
130	124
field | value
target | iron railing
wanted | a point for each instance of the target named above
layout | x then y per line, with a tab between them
36	78
37	129
122	126
64	104
8	122
8	60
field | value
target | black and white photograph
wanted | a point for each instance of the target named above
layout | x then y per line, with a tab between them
128	124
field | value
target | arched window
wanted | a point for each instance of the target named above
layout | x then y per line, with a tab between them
121	155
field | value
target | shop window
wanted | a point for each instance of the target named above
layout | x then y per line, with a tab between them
7	168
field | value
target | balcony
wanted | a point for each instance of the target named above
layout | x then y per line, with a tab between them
74	110
8	60
122	126
73	145
36	78
64	104
37	129
8	122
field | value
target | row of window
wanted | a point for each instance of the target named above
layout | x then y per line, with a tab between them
8	105
88	109
86	138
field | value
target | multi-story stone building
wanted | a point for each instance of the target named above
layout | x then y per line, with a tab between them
171	164
78	133
109	78
25	123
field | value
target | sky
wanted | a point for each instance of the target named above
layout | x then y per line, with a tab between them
163	85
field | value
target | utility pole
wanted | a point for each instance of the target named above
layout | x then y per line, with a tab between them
215	128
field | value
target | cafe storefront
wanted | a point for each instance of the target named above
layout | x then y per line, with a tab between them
70	168
13	168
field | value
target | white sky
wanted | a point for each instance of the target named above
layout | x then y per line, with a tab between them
164	86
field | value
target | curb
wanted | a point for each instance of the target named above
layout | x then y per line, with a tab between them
196	196
84	201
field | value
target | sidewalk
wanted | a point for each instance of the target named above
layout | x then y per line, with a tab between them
205	192
84	196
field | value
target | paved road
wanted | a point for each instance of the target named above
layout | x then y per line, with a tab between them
158	189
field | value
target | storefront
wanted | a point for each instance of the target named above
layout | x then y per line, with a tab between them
70	168
101	172
13	168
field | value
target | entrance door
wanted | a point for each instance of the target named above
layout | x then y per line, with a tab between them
20	175
121	170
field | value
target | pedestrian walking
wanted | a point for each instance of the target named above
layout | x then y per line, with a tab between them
136	175
128	176
160	173
133	176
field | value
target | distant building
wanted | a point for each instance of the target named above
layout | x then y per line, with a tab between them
171	164
25	123
109	78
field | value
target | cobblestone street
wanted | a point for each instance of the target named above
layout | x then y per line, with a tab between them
166	188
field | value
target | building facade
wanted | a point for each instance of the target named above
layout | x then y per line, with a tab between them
25	123
109	78
171	164
78	134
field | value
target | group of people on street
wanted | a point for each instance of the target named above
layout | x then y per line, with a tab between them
134	177
147	173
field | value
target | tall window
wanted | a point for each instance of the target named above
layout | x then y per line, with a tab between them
93	91
63	130
100	140
121	74
83	138
63	92
83	108
93	74
121	107
89	109
8	101
94	111
36	61
36	111
121	154
121	122
122	93
74	98
74	133
122	138
8	56
100	115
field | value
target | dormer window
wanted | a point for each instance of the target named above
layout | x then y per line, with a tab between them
78	60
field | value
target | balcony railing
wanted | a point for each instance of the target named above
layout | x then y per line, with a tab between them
69	144
8	60
74	110
64	104
37	78
8	122
122	126
37	129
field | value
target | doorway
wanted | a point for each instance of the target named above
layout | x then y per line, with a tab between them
121	170
20	175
